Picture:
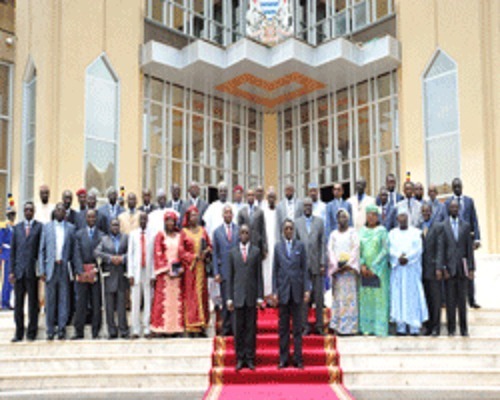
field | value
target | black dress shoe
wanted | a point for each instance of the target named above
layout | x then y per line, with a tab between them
451	334
299	365
282	365
50	338
112	337
251	365
77	337
31	338
16	340
435	333
465	333
475	305
239	365
61	336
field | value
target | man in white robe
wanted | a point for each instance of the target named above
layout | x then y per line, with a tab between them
359	202
213	216
408	304
267	264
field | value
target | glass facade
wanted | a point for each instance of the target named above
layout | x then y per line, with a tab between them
5	130
192	136
29	137
224	21
341	136
442	134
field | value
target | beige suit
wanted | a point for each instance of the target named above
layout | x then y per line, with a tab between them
359	209
128	221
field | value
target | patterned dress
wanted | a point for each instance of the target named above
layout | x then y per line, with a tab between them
168	311
195	287
344	282
374	302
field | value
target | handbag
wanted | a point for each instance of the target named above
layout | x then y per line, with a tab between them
176	266
209	268
372	282
89	274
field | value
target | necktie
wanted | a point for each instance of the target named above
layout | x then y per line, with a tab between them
455	229
308	224
289	248
251	211
383	212
143	249
244	253
229	234
28	229
91	233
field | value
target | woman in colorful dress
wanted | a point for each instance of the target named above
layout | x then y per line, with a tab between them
375	276
195	247
343	258
167	316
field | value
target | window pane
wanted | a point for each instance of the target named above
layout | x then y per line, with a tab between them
304	113
289	160
218	108
101	109
288	119
441	112
365	171
364	132
305	149
100	169
253	153
156	174
4	89
385	125
252	119
343	137
384	85
324	145
342	100
218	149
155	130
237	150
385	167
198	137
156	90
362	93
4	144
3	192
177	134
443	161
177	96
322	104
198	102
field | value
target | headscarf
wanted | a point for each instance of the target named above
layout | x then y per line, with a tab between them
170	214
343	211
187	215
372	208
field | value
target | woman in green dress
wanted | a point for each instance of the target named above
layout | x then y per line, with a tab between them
375	282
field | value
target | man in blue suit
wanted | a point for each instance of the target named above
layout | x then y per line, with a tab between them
333	207
467	213
56	249
291	288
111	210
226	237
23	275
439	213
387	214
394	197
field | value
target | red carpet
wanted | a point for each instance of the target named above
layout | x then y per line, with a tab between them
320	379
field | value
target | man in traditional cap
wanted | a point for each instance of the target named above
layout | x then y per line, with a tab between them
81	194
44	208
6	229
129	220
319	207
359	202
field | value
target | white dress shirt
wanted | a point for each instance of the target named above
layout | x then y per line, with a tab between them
59	239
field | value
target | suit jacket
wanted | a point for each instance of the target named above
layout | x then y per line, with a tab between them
257	224
430	243
148	209
438	211
314	242
128	222
399	197
331	215
134	255
201	204
222	247
83	248
281	215
170	204
467	213
245	278
414	210
81	220
24	250
106	213
290	274
116	280
390	220
47	254
452	252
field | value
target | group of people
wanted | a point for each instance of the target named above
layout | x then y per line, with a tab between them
391	259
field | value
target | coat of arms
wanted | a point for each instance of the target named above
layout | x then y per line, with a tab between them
268	21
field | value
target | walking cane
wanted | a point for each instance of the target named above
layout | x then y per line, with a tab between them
103	294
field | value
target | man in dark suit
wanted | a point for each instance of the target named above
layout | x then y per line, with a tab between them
23	275
333	207
86	241
291	288
147	206
176	203
56	252
394	197
81	217
111	210
253	217
466	212
457	262
195	200
310	230
245	292
432	276
439	213
112	250
288	208
67	199
226	237
387	214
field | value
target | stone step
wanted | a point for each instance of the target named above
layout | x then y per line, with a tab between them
112	393
105	362
180	346
383	392
446	376
414	360
125	378
370	344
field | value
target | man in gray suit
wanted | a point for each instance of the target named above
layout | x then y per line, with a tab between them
310	230
194	199
253	217
112	250
290	207
112	209
411	205
456	260
56	252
